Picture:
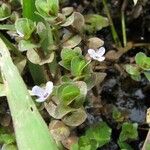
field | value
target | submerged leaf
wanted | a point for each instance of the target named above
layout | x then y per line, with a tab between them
33	56
67	11
95	43
59	130
75	118
57	111
72	42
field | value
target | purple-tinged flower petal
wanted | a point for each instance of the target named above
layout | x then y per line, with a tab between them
37	91
101	51
42	93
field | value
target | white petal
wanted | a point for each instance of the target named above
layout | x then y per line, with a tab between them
49	87
101	59
101	51
38	91
91	52
41	99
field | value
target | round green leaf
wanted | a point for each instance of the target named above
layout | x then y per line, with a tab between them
78	64
25	27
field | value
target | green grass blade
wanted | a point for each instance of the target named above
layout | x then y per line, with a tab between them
30	129
29	9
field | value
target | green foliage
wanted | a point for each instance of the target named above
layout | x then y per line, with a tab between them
67	55
7	138
95	22
25	27
124	146
128	132
41	44
73	60
67	92
95	137
78	66
47	8
142	61
142	66
5	11
20	104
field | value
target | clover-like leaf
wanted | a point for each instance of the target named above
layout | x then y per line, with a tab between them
25	27
95	22
85	143
5	11
47	8
101	133
129	131
69	93
75	118
78	65
67	55
143	61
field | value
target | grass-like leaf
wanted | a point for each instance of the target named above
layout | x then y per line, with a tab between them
30	129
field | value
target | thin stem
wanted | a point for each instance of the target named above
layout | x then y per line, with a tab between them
123	29
124	36
113	30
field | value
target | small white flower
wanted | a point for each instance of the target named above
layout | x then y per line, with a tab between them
20	34
42	93
97	55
